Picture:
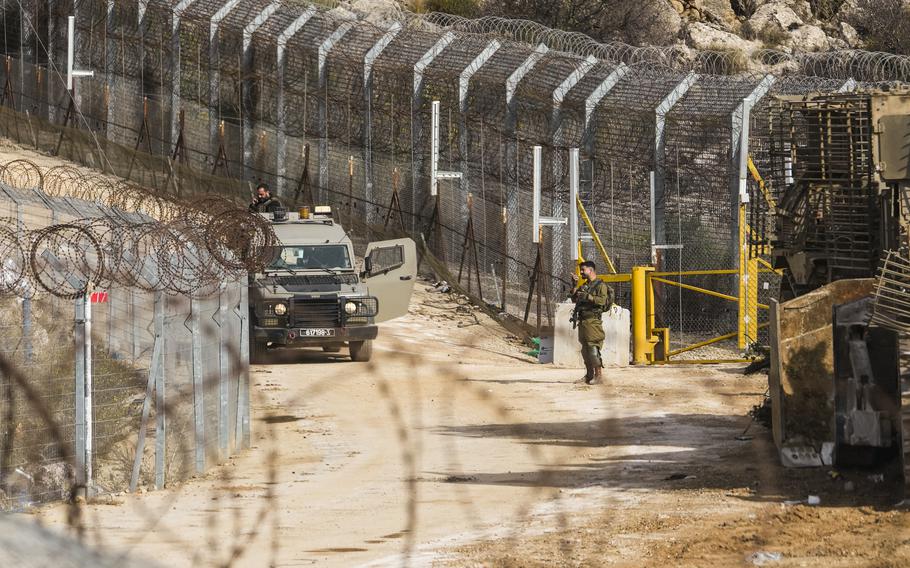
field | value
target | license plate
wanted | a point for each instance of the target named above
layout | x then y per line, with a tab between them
317	332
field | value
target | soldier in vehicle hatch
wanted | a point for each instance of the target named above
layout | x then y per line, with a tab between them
592	298
263	202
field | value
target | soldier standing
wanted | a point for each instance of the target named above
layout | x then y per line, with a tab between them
592	298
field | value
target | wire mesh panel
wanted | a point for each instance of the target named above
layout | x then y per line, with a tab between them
334	108
122	365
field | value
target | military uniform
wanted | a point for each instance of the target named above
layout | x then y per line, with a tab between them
591	300
268	204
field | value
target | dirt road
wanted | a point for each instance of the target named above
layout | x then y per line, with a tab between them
453	447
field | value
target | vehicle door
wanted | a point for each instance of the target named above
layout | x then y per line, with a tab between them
390	269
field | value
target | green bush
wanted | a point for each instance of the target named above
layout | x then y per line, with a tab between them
884	25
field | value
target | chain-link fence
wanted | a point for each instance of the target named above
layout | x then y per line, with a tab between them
332	107
112	376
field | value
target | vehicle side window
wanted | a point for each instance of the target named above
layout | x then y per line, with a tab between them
386	258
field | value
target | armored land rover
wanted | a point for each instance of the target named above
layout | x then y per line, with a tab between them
311	295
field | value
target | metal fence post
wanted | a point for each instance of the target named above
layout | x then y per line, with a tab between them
243	387
175	63
134	327
511	213
560	244
281	148
324	50
659	235
247	89
223	370
89	388
198	386
26	301
368	60
416	117
464	82
111	337
160	400
215	74
154	371
79	406
51	50
739	151
82	355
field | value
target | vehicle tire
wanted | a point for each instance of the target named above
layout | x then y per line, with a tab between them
361	351
331	348
258	353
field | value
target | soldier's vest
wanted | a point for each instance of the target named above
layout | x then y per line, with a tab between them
592	311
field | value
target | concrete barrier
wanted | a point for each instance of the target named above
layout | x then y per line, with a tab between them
617	329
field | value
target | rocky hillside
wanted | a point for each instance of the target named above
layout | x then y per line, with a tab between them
739	29
786	25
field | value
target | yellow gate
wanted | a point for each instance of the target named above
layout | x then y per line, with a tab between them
651	344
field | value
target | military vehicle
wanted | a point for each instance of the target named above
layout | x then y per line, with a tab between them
840	377
312	295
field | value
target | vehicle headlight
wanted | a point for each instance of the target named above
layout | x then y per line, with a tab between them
350	308
280	309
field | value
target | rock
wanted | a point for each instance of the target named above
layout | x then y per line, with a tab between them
837	43
850	35
802	8
663	23
848	10
707	37
774	16
719	12
809	38
377	11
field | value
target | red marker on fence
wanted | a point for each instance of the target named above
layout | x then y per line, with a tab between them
99	297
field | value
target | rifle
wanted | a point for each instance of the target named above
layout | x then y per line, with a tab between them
576	313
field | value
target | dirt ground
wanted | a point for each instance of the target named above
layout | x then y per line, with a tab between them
454	448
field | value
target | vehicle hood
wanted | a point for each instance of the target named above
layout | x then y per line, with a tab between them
312	283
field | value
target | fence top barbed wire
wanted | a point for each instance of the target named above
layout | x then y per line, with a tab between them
863	66
135	237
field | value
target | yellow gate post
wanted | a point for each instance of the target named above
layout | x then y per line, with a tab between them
747	296
642	305
743	279
752	302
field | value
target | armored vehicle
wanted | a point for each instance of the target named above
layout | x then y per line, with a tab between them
840	338
312	295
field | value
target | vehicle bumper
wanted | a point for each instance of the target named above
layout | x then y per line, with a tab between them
290	337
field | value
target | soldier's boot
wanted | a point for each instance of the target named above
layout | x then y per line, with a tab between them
589	374
598	368
589	365
592	363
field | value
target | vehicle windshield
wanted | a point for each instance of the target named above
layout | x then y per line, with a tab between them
311	257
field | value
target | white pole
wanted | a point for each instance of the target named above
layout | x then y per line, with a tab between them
573	202
653	221
89	411
71	54
434	150
70	51
537	189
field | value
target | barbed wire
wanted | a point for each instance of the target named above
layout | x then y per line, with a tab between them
141	239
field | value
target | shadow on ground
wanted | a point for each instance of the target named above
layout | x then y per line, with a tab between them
671	452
